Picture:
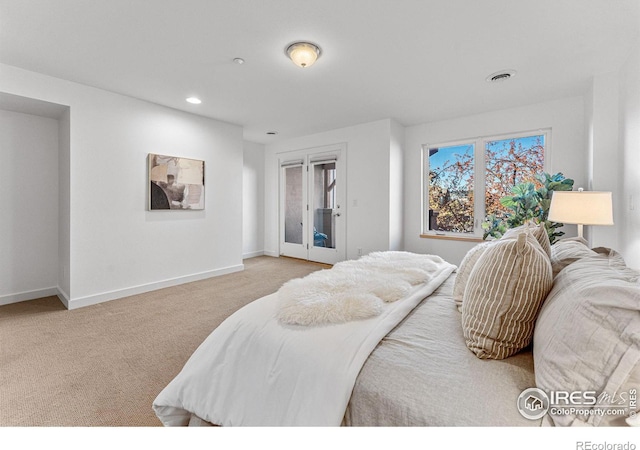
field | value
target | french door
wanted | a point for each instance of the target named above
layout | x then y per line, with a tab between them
312	199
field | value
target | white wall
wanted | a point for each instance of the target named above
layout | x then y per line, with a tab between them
396	187
253	200
29	224
630	155
602	105
368	173
64	205
117	248
567	154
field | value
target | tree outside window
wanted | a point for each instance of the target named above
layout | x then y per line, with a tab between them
509	162
456	172
451	188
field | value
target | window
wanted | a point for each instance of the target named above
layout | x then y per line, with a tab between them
466	179
451	170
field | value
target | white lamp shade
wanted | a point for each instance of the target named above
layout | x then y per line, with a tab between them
581	207
303	54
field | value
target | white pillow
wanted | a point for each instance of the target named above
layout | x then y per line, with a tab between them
567	251
587	337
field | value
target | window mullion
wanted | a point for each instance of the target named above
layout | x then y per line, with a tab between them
479	187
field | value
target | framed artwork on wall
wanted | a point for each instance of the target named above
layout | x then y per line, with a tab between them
175	183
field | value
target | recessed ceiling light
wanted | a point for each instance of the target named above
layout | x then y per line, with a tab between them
502	75
272	133
238	60
194	100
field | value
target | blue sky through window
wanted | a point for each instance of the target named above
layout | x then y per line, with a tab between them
438	157
525	142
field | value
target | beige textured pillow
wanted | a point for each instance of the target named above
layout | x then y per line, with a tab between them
503	296
587	338
615	259
567	251
466	266
538	231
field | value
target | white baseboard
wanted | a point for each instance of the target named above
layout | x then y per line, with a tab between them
270	253
28	295
80	302
63	296
252	254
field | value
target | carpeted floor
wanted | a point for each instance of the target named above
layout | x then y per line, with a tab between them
103	365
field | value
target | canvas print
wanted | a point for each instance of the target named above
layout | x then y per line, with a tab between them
175	183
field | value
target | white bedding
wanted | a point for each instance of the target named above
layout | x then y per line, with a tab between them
254	371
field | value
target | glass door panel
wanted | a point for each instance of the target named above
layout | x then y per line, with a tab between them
293	205
326	206
324	194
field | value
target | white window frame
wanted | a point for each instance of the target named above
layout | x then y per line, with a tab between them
479	167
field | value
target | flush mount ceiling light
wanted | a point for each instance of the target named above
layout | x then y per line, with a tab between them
303	54
194	100
502	75
238	60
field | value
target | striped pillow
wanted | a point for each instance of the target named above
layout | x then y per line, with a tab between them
472	256
538	231
503	296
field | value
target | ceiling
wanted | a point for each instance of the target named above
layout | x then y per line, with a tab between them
412	60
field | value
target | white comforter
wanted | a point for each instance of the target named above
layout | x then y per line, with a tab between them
254	371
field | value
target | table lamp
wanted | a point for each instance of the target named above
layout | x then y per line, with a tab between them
582	208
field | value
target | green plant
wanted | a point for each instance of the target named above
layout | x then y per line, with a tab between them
528	203
493	226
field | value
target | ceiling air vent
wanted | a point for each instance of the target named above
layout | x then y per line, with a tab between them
500	76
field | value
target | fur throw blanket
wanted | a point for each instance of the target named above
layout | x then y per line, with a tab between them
355	289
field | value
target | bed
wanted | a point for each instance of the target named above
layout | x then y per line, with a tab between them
381	342
413	370
423	374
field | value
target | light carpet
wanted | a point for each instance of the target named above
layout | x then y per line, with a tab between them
103	365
